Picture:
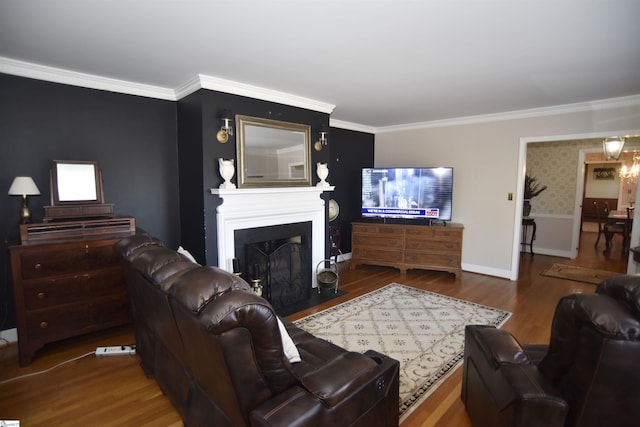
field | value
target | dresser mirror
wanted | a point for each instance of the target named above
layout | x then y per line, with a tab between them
76	182
272	153
76	191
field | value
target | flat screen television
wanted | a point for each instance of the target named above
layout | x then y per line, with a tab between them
407	193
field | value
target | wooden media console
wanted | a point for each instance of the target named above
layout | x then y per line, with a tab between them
427	247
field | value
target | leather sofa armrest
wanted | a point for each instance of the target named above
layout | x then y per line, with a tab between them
339	378
498	346
501	384
530	399
368	381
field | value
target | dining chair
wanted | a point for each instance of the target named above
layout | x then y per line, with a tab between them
611	228
602	220
629	227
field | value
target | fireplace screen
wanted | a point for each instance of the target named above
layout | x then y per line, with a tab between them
282	267
280	256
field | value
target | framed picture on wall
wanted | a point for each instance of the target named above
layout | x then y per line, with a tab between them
604	173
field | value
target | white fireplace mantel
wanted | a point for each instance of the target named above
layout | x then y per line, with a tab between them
245	208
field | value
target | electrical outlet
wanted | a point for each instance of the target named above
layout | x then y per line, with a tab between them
510	196
116	350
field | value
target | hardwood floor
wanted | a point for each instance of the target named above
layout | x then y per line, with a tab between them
113	391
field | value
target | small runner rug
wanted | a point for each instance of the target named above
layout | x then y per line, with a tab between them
423	330
577	273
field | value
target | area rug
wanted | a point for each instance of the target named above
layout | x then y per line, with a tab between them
421	329
577	273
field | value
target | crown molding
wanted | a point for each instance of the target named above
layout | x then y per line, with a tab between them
603	104
73	78
351	126
58	75
250	91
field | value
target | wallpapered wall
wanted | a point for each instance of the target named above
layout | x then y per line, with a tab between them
555	164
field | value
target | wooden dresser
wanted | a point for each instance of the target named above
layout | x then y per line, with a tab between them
67	281
428	247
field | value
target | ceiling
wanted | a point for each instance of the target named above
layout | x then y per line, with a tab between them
380	63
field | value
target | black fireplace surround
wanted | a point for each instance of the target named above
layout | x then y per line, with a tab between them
278	256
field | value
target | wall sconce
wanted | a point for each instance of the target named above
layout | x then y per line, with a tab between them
24	186
323	140
227	128
612	147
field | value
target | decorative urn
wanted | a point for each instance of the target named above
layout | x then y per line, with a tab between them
322	169
227	170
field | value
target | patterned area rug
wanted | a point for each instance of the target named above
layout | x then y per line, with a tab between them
423	330
577	273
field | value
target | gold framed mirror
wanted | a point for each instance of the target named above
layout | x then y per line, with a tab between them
273	153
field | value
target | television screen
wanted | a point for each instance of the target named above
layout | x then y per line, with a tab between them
407	193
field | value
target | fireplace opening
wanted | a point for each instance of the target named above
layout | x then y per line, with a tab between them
280	256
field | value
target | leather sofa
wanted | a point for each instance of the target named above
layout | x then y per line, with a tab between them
588	374
223	357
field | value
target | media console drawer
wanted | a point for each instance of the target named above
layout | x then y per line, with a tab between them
408	246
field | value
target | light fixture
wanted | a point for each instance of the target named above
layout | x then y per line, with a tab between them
227	129
631	174
323	139
612	147
24	186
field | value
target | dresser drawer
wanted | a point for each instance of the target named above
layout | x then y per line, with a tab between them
435	233
69	289
432	259
377	229
74	319
71	259
434	245
378	241
369	254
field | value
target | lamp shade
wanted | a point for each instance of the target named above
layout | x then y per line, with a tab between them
23	186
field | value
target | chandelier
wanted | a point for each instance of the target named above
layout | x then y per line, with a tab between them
631	174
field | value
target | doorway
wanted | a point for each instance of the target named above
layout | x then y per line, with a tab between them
602	185
572	219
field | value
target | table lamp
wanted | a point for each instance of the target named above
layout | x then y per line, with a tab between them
24	186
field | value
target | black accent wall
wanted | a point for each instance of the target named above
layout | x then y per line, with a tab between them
199	151
158	158
133	139
350	152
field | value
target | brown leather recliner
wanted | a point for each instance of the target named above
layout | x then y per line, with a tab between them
588	375
217	351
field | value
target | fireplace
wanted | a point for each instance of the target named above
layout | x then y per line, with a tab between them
247	208
279	256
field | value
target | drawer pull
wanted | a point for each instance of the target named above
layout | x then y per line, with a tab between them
41	295
44	325
37	267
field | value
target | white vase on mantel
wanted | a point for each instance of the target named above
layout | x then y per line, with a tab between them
322	169
227	170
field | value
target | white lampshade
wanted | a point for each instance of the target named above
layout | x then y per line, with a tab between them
23	186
